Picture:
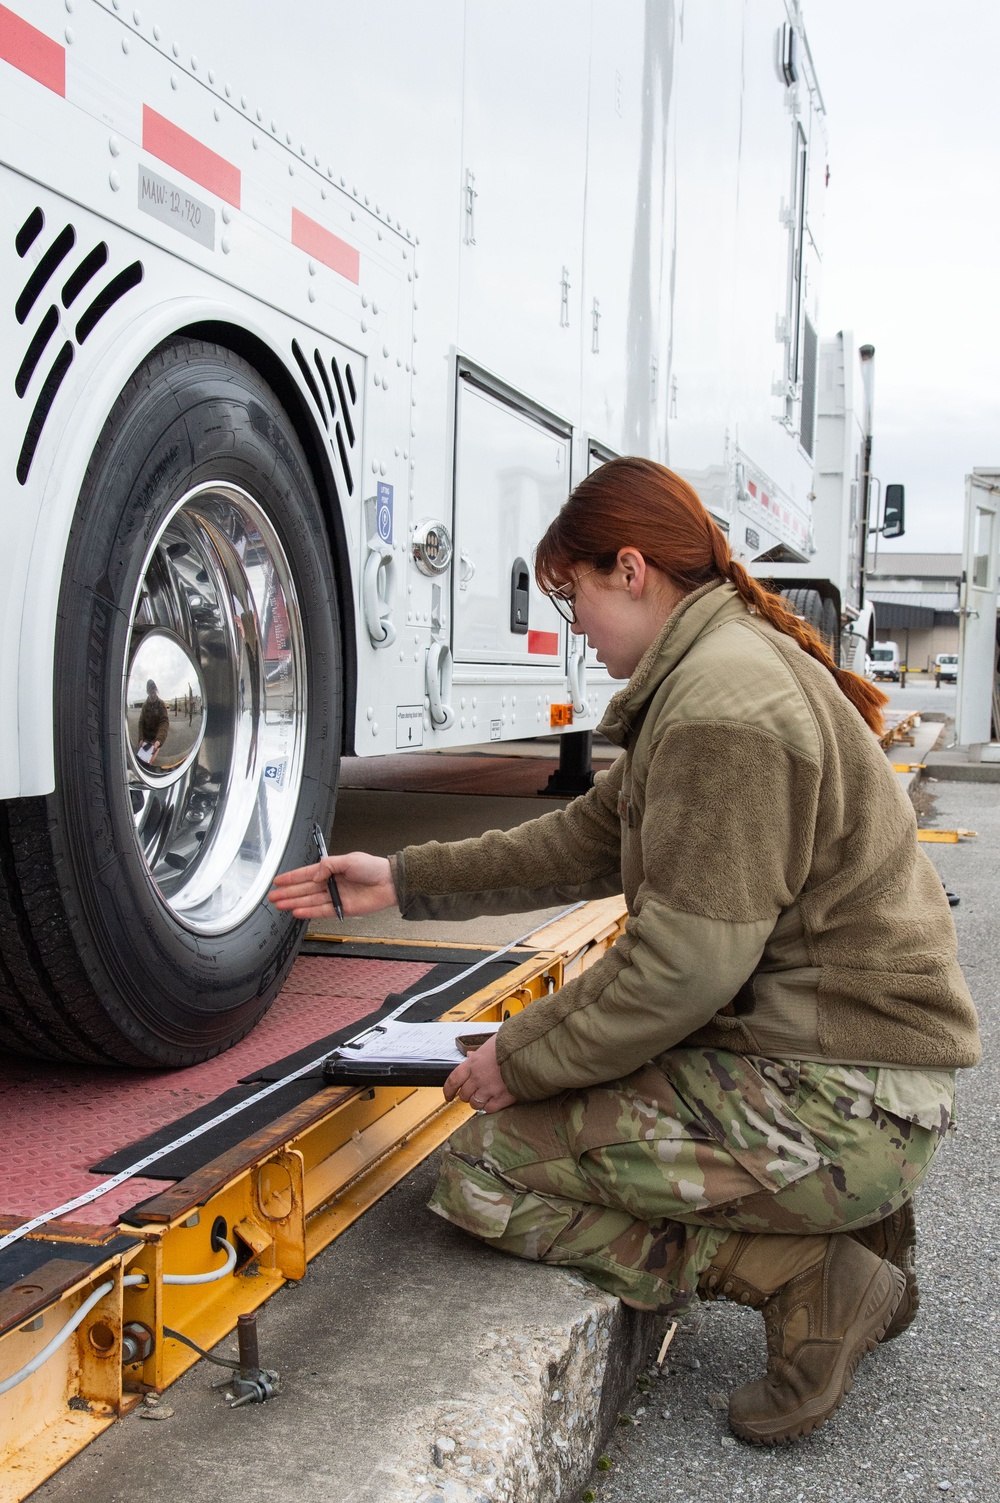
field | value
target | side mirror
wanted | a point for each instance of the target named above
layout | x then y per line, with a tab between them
892	519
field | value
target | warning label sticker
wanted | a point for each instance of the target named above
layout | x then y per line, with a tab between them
176	207
409	726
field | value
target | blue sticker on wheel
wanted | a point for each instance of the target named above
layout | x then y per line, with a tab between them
383	511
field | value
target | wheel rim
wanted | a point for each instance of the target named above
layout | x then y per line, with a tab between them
215	626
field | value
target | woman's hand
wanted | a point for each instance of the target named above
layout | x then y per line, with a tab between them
364	883
478	1081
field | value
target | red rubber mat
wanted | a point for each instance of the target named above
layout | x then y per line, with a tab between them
58	1120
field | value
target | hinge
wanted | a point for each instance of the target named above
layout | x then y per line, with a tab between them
595	330
654	379
564	299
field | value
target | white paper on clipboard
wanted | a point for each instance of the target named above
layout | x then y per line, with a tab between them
394	1042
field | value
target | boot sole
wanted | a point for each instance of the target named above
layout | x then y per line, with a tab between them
808	1417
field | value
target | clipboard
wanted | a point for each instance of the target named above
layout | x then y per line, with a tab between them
398	1053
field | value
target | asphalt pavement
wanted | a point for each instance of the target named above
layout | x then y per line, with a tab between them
920	694
921	1422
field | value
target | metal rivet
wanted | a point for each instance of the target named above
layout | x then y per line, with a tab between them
136	18
226	245
322	193
364	300
227	214
370	712
302	151
385	351
374	466
353	215
228	91
194	64
256	143
211	75
114	146
364	326
374	727
379	233
70	6
175	50
312	294
114	180
343	181
68	34
288	138
382	469
274	127
217	113
374	306
125	45
378	378
173	81
312	268
291	169
385	383
367	200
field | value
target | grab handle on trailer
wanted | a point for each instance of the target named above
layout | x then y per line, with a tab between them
439	669
576	675
378	593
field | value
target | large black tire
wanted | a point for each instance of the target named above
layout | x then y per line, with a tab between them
96	964
830	629
808	604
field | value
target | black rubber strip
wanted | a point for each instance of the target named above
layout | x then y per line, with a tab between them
193	1156
21	1259
402	949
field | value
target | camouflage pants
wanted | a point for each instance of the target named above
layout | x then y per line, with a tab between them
638	1182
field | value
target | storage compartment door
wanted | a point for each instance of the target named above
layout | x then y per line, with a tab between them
511	477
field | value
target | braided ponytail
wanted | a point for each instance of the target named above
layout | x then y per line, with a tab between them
640	504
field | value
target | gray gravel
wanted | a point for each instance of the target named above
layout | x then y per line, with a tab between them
921	1422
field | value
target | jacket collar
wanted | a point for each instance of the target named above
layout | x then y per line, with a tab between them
699	612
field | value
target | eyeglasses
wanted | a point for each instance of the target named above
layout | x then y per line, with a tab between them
565	600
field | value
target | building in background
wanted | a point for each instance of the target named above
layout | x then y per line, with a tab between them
916	599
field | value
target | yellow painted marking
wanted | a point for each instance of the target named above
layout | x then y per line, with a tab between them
908	766
946	837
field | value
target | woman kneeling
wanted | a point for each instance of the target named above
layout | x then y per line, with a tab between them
739	1099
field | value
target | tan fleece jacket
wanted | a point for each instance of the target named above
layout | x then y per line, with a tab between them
779	903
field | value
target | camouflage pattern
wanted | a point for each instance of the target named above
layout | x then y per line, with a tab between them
637	1182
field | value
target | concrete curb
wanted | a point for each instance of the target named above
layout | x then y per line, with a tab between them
949	769
537	1418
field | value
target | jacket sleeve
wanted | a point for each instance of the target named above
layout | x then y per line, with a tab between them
727	835
567	855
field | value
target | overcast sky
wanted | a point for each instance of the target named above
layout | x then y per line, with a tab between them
912	235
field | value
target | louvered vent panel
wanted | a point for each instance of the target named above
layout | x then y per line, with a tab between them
37	308
333	389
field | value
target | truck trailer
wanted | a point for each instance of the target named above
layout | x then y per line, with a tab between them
314	320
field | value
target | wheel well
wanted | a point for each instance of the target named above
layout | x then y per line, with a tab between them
268	365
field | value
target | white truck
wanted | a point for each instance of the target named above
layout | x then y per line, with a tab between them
314	318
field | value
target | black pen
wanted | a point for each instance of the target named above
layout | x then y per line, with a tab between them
331	883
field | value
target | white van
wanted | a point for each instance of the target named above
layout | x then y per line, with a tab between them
885	661
945	668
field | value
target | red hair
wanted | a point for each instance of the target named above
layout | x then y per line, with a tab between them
636	503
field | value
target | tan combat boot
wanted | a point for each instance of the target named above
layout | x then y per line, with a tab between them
826	1302
895	1238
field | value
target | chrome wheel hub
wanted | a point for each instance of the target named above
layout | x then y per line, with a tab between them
214	707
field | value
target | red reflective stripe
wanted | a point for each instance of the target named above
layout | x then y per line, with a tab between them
32	52
543	641
175	147
325	246
752	488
